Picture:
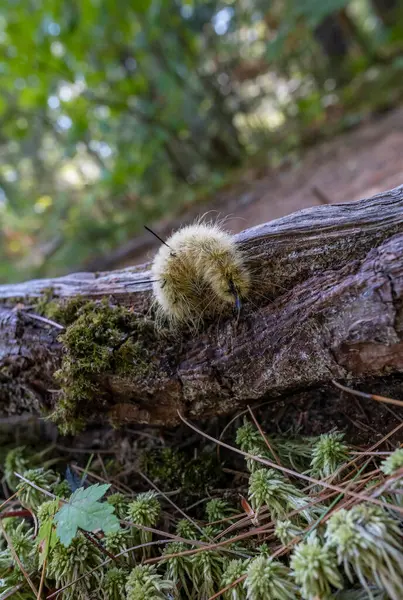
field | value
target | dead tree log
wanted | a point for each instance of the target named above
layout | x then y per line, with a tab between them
329	305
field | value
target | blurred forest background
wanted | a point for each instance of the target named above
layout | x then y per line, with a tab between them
114	113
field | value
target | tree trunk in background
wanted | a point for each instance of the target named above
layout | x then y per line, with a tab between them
332	39
328	305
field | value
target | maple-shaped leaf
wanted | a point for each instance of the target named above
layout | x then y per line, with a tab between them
84	511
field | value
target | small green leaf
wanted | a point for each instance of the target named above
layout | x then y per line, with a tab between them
47	539
84	511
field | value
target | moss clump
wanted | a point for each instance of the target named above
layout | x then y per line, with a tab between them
131	352
355	552
64	312
171	469
16	461
164	466
101	341
120	502
42	303
202	474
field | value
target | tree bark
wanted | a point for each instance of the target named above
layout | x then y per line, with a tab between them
332	38
327	304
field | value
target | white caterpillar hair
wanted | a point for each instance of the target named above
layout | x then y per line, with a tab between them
199	273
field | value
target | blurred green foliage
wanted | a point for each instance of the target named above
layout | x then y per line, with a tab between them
113	113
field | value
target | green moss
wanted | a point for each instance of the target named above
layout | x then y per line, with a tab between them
164	466
202	474
63	311
13	300
42	303
102	340
132	352
172	469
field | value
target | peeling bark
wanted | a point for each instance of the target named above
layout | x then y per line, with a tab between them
328	304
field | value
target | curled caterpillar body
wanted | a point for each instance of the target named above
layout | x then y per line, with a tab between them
198	274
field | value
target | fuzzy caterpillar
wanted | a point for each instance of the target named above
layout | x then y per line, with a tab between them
199	273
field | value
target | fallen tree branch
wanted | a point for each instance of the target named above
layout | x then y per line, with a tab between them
329	306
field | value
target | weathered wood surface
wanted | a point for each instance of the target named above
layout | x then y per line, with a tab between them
328	305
